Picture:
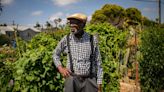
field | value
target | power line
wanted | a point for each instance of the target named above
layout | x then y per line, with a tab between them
153	1
0	5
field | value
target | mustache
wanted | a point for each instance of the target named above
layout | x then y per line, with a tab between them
73	29
74	25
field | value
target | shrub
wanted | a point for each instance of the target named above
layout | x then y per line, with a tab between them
4	39
111	41
152	61
35	70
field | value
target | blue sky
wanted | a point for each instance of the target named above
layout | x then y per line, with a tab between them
28	12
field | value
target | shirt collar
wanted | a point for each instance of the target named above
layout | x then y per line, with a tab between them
83	36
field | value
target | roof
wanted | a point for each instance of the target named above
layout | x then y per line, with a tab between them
20	28
2	32
34	29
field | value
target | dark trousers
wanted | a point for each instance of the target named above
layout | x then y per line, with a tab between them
79	84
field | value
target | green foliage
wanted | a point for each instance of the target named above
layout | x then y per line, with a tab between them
162	25
152	61
6	71
110	13
116	15
147	22
35	70
111	40
7	54
98	17
113	11
21	47
4	39
133	14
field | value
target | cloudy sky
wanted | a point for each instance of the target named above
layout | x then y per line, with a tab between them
28	12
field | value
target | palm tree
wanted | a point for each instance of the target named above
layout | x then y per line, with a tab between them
48	25
37	25
57	21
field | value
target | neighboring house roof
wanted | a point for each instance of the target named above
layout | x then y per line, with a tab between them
3	29
2	32
34	29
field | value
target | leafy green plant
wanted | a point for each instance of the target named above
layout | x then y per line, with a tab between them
6	72
7	54
152	60
111	40
4	40
35	70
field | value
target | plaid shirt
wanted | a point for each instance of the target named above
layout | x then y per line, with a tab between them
81	51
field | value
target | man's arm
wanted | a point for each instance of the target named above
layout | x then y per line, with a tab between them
99	67
56	57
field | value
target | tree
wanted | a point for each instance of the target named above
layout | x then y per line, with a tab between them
147	22
4	24
110	13
151	61
48	25
98	17
116	15
57	21
37	25
133	14
4	39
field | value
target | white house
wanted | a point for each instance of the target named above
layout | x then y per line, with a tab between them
26	33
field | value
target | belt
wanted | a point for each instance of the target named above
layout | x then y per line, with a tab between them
82	76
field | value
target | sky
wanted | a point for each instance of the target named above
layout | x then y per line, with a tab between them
29	12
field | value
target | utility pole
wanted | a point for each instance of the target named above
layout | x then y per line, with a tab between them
1	6
136	62
159	7
16	39
13	23
159	11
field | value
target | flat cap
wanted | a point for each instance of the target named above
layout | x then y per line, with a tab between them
79	16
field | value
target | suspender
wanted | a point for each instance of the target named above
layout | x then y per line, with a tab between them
91	56
69	52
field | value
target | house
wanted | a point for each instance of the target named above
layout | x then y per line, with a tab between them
26	33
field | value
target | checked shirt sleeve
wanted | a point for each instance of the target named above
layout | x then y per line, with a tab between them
98	60
58	50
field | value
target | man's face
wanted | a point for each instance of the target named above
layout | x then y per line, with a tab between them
75	25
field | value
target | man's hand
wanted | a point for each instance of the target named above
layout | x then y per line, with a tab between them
99	88
64	71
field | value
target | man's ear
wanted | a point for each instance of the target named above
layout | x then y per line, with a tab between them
82	25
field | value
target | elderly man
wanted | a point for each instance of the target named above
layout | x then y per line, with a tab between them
83	72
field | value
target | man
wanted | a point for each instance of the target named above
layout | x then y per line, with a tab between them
83	72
